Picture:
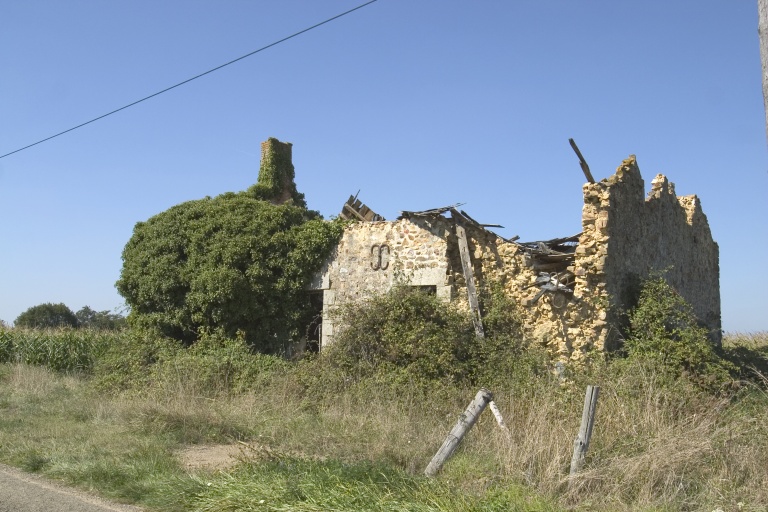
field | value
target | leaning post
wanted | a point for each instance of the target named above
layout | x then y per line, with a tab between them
465	423
581	444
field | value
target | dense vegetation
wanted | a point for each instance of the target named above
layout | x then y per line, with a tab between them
233	263
354	429
236	263
411	336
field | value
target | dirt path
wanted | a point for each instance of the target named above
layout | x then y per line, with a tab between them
22	492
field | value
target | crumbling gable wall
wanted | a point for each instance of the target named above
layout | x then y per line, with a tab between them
626	237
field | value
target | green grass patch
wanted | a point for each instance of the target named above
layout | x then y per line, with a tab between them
307	485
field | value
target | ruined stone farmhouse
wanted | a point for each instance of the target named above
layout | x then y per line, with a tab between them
570	291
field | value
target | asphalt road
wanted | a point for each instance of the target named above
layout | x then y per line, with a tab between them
22	492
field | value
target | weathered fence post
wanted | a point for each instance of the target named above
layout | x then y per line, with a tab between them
581	444
466	421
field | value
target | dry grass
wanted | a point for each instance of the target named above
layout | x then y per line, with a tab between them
658	443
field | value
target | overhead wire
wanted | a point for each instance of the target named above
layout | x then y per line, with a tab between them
193	78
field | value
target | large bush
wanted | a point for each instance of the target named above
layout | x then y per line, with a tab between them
407	330
238	264
228	264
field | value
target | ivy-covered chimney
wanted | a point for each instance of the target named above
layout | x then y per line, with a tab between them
276	174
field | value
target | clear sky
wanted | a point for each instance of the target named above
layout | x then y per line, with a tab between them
416	103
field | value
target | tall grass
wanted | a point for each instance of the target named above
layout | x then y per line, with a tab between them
656	444
322	441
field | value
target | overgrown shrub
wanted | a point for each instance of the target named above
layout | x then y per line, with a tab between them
417	337
239	262
127	363
404	331
664	329
213	364
503	358
234	263
218	364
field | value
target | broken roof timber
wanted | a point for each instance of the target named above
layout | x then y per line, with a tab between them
354	209
427	213
460	215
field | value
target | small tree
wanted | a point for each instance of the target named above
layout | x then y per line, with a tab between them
47	315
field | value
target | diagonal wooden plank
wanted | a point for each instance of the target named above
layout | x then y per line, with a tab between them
469	277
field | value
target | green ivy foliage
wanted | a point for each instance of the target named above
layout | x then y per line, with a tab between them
234	263
276	175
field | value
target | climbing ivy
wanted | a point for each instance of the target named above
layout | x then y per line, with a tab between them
276	175
230	264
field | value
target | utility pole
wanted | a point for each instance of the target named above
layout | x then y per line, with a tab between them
762	31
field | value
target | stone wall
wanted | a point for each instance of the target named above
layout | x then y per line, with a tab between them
373	256
625	238
563	323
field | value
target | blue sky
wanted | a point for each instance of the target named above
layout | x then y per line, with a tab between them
416	103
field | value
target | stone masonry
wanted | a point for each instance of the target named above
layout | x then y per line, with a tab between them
625	238
571	297
374	256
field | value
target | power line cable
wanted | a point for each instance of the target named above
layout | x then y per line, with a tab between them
193	78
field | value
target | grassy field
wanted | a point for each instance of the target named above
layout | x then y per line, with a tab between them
313	439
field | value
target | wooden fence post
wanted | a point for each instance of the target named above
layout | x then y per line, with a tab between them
466	421
581	444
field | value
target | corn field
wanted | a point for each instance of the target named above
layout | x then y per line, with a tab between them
65	350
